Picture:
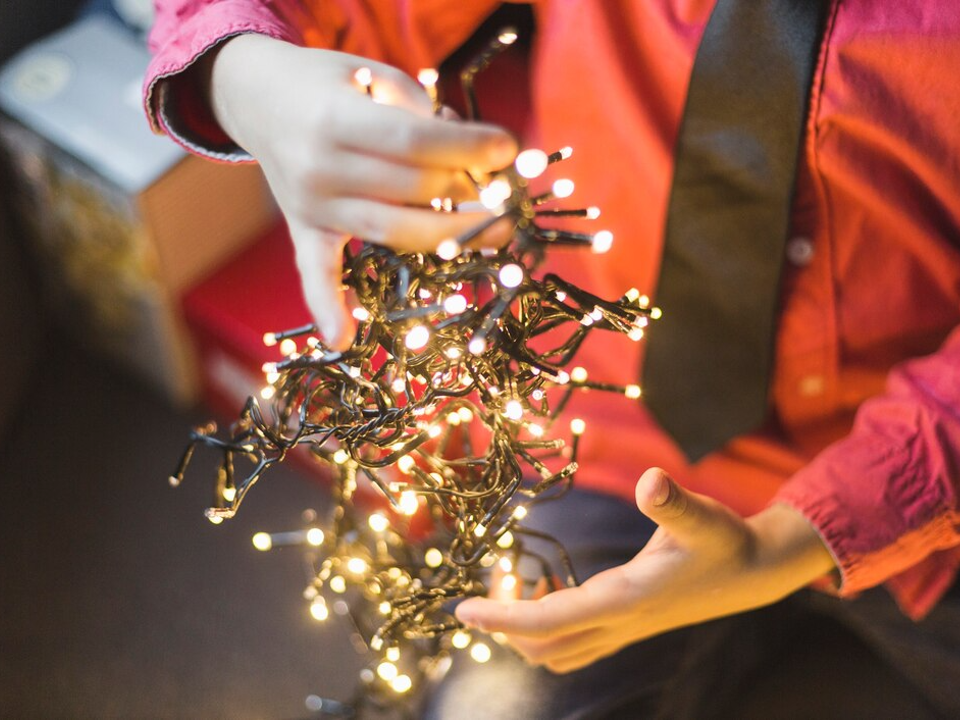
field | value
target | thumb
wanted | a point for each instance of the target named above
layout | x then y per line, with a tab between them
690	518
320	262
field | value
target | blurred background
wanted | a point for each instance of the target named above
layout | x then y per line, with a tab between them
135	286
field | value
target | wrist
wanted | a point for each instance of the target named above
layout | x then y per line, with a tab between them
789	551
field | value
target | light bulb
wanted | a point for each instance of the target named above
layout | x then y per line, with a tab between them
578	374
454	305
577	426
531	163
433	558
357	566
513	410
387	670
338	584
448	249
364	77
401	683
315	537
408	502
318	609
480	652
505	541
602	241
262	541
477	346
632	391
417	337
361	314
428	77
563	188
378	523
511	275
460	639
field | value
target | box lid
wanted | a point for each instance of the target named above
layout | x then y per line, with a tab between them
80	89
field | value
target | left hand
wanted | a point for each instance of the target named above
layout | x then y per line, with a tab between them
704	561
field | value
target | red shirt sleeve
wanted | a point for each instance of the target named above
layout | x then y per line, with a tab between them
886	496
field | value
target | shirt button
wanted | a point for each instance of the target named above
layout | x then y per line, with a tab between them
800	251
812	385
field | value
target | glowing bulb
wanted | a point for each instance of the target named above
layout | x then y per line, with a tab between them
387	670
602	241
268	392
398	385
535	430
506	564
465	415
269	367
513	410
636	334
511	275
454	353
378	523
577	426
507	37
448	249
453	419
508	583
358	566
480	530
269	339
477	346
460	639
341	456
417	337
566	152
401	684
632	295
229	493
593	212
434	431
315	537
262	541
563	188
656	313
288	346
561	295
644	300
215	519
537	395
455	304
563	377
408	502
578	374
364	77
519	512
495	194
361	314
505	541
480	652
393	653
272	377
428	77
531	163
318	608
384	608
405	464
433	558
632	391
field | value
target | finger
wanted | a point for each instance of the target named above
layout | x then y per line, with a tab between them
542	651
320	261
582	658
383	179
395	133
562	612
407	229
687	516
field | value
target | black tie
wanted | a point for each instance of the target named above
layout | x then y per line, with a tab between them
708	360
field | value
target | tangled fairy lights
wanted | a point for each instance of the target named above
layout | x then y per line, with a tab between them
446	408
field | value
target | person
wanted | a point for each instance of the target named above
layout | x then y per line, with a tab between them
853	481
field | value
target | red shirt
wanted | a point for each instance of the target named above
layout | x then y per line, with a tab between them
864	436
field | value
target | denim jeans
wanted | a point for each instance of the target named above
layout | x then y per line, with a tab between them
809	656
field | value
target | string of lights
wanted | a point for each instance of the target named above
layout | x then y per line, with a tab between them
442	416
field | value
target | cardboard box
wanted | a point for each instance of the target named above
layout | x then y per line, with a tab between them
124	221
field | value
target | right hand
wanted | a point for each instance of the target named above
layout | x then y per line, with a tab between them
341	165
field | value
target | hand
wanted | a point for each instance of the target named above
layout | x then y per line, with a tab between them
342	165
704	561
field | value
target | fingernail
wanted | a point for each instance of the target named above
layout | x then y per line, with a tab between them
503	150
662	492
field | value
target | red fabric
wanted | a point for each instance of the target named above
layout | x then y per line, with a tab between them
864	439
